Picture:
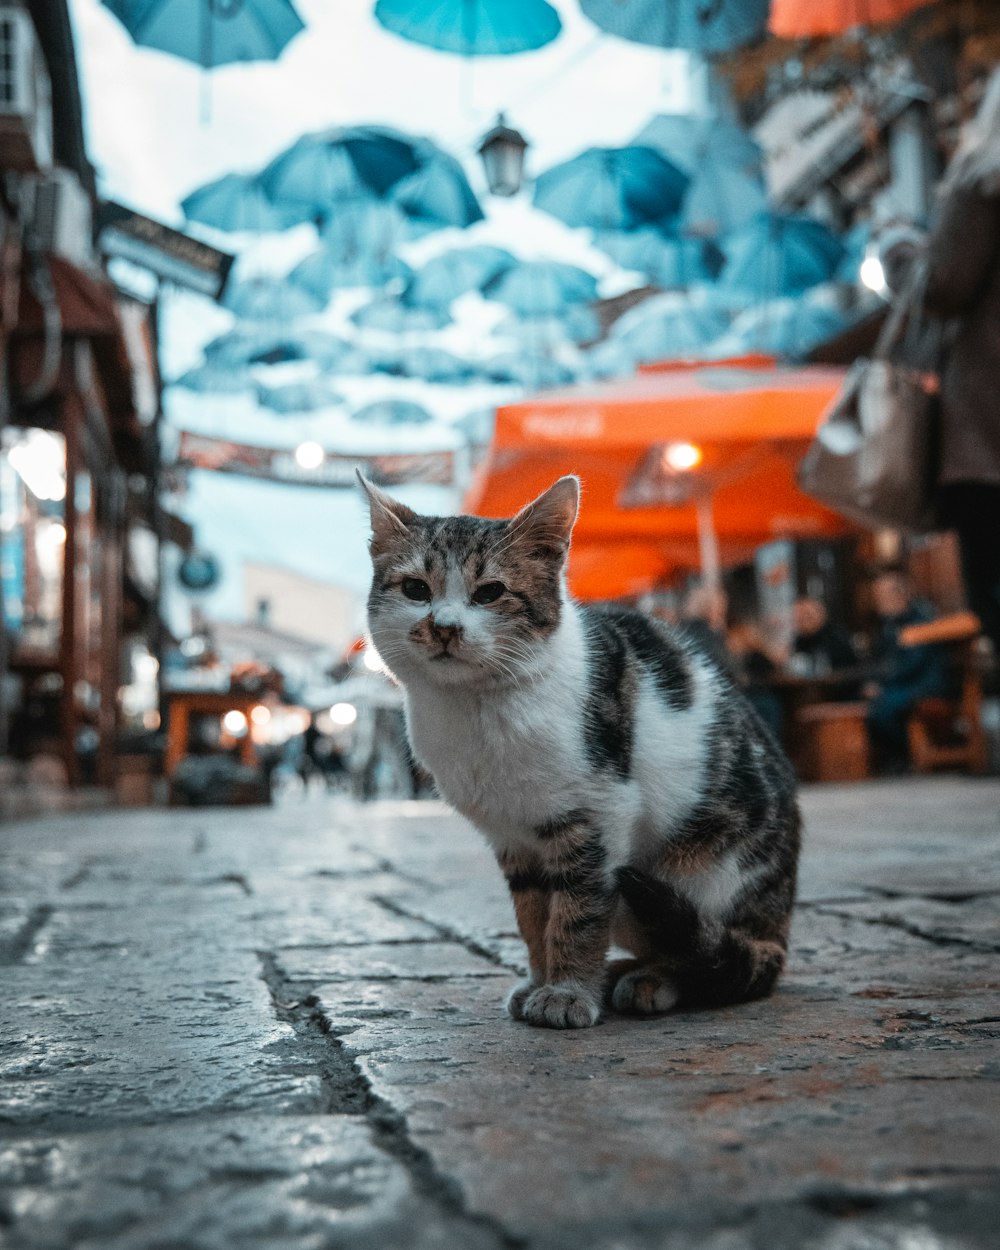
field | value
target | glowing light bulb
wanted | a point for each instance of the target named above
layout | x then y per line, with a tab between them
682	456
309	455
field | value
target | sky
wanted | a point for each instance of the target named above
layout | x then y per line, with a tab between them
158	127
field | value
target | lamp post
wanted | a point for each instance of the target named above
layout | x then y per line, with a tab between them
502	150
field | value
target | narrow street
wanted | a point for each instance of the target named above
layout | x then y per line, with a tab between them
283	1028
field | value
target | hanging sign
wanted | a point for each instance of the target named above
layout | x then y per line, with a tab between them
168	253
198	451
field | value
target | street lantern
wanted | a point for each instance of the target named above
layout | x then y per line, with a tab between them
502	150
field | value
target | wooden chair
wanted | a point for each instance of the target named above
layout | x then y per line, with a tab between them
948	733
832	742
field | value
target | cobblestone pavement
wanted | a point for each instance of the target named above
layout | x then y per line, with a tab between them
283	1028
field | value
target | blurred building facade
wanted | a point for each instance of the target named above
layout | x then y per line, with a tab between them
80	529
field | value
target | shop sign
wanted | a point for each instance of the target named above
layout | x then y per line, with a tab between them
198	451
168	253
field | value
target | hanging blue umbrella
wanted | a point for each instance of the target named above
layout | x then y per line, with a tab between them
269	299
613	189
236	203
576	324
324	169
289	398
394	317
247	345
450	274
666	260
724	164
210	32
789	328
433	364
472	27
666	328
392	412
437	193
332	354
366	231
705	26
322	273
777	254
210	379
528	371
542	288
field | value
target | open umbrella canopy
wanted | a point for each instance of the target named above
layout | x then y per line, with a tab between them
236	202
323	272
212	379
437	193
322	170
666	260
751	427
392	412
433	364
788	328
724	164
542	288
472	27
528	370
299	397
247	345
613	189
576	324
708	28
394	317
776	254
210	32
804	19
450	274
666	328
270	299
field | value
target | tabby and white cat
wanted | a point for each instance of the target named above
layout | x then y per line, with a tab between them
628	790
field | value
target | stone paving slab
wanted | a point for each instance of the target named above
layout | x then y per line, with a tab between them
284	1028
278	1183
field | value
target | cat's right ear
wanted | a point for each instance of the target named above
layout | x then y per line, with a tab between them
390	518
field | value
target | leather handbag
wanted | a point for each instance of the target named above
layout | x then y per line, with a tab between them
874	456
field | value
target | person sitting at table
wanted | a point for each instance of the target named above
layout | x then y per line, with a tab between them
753	665
703	617
819	647
903	675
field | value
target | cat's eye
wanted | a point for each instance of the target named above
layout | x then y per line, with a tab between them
416	588
488	592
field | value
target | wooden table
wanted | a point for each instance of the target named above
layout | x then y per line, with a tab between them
183	704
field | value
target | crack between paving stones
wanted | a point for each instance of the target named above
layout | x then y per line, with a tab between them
446	933
15	949
347	1091
896	922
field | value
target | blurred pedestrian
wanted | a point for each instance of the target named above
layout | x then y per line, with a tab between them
703	617
821	648
755	666
903	675
963	254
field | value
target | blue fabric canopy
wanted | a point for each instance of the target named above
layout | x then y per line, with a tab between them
437	193
270	300
782	327
705	26
210	32
542	288
664	328
665	260
472	27
236	202
453	273
291	398
324	169
394	317
323	272
778	254
613	189
392	412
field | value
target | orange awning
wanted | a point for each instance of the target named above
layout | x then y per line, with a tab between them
805	19
639	518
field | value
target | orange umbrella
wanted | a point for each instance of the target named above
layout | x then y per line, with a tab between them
679	468
805	19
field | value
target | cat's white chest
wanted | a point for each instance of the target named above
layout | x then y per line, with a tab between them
506	761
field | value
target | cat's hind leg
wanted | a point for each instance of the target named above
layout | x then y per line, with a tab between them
642	987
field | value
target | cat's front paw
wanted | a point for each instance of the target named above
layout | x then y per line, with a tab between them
561	1007
518	996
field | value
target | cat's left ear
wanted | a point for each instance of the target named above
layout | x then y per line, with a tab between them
547	522
390	518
